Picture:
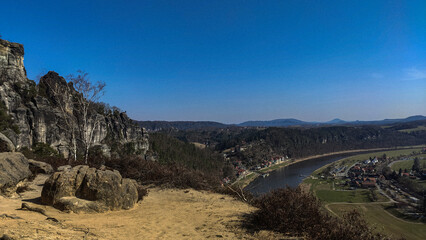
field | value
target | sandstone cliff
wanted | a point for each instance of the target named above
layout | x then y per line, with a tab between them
34	116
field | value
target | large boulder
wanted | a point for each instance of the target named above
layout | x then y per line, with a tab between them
14	168
85	189
37	167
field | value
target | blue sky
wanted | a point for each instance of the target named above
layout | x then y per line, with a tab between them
232	61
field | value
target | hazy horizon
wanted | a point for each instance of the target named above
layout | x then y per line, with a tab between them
234	61
350	120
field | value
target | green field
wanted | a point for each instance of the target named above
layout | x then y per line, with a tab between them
338	201
406	164
419	128
354	196
364	156
383	221
323	189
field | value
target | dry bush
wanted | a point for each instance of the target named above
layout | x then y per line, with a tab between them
54	161
287	210
145	172
142	192
296	213
23	188
173	175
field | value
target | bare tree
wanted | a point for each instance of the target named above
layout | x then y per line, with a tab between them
88	94
62	94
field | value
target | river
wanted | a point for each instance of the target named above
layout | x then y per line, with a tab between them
291	175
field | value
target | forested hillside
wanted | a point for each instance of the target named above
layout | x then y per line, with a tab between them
179	125
169	150
253	145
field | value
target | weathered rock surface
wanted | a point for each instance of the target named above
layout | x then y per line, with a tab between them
14	168
84	189
37	167
64	168
5	144
38	118
12	59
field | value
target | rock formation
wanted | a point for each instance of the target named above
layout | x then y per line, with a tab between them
37	167
84	189
14	168
35	117
5	144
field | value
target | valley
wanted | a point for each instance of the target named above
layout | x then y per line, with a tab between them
386	207
213	120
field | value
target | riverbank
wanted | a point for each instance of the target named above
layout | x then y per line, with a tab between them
376	205
250	177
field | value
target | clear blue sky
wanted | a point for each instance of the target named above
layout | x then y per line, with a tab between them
232	61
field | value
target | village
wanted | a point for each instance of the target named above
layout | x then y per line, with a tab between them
399	186
242	171
403	187
380	175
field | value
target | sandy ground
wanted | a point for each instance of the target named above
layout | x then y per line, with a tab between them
163	214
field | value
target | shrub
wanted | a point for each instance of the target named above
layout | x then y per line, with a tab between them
142	192
23	188
287	210
42	150
44	153
174	175
56	162
293	212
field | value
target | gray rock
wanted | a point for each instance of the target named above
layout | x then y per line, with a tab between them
84	189
40	167
14	168
64	168
5	144
38	116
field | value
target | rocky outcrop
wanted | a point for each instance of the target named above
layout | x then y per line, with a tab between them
5	144
84	189
37	118
37	167
12	60
14	168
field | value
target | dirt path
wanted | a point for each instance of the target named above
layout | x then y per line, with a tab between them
163	214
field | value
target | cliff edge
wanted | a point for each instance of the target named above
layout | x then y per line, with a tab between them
29	115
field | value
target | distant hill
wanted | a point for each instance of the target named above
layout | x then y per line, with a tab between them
295	122
275	123
336	121
180	125
389	121
287	122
